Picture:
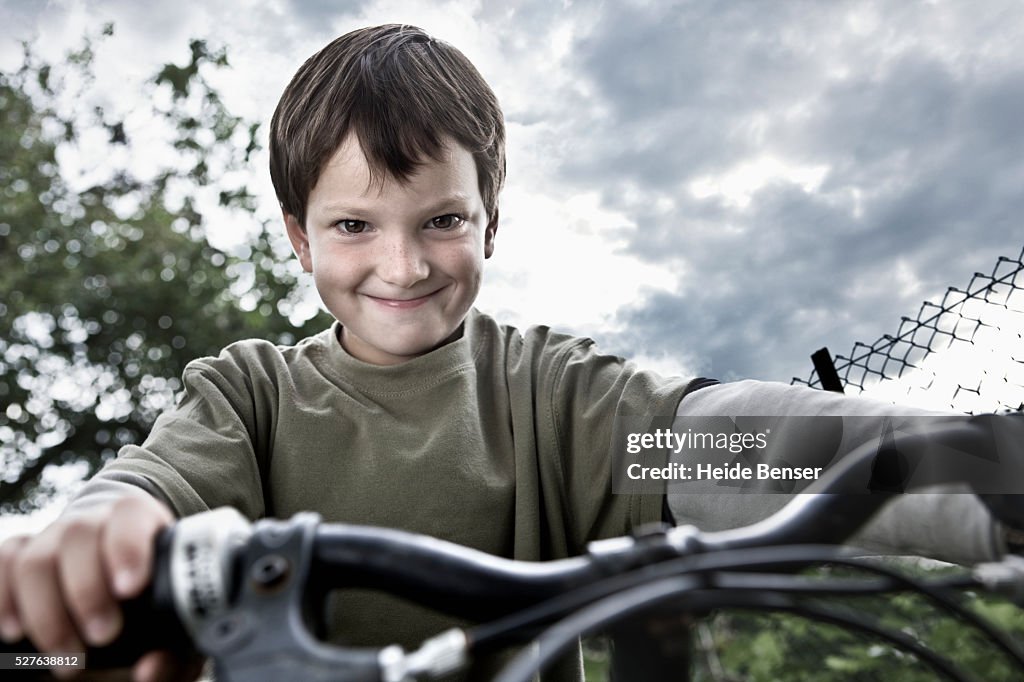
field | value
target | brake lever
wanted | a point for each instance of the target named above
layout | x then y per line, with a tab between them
248	605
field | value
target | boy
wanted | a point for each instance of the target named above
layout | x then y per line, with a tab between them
413	410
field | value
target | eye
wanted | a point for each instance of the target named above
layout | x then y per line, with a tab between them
446	222
351	226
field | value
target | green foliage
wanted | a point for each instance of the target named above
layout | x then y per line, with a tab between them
744	646
756	647
110	287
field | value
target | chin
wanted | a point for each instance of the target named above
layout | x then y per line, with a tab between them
411	349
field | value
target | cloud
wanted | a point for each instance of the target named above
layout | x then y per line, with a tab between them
826	172
732	185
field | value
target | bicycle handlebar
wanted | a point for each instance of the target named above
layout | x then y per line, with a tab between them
208	565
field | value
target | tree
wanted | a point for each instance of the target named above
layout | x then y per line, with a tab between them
110	288
774	647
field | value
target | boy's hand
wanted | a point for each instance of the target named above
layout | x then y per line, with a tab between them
61	588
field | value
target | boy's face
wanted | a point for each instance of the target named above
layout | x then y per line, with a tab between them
398	266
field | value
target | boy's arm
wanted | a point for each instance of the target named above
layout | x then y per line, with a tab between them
61	587
199	455
950	523
111	486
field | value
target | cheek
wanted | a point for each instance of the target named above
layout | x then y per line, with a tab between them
336	271
464	260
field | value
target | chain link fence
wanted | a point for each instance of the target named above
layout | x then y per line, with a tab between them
965	353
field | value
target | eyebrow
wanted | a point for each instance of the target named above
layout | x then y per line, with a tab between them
456	199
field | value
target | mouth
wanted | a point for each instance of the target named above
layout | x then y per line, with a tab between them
402	303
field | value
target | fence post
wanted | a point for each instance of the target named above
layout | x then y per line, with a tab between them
826	370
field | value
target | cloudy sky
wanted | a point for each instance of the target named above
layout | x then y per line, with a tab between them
716	188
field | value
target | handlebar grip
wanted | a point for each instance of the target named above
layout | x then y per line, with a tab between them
150	622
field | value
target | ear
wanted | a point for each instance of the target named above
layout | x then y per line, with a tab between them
300	241
489	234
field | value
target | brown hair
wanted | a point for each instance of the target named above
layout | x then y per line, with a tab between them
402	93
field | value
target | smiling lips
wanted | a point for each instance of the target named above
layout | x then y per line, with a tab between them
402	303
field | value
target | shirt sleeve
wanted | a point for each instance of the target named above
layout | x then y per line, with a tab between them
948	523
590	392
199	455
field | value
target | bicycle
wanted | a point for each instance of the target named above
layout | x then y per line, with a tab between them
249	595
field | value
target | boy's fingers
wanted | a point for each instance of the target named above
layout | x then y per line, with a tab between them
127	543
156	666
162	666
10	625
39	598
84	583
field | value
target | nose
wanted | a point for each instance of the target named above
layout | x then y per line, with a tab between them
404	261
